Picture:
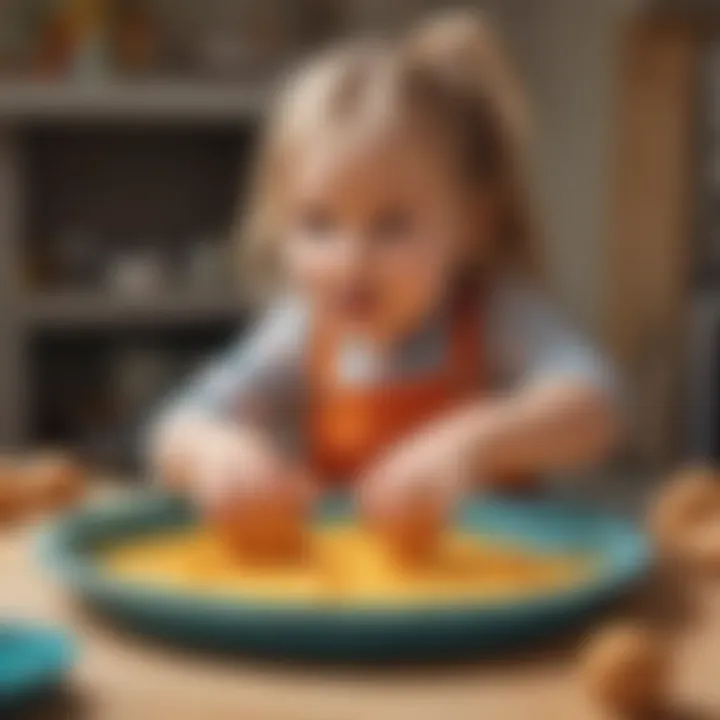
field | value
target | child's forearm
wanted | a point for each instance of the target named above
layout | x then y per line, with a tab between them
178	440
551	427
172	446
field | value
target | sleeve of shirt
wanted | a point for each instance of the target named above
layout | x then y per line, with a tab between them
529	341
260	371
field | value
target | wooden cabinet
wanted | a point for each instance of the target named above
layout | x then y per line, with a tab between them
652	210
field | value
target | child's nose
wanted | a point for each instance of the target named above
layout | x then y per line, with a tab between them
354	255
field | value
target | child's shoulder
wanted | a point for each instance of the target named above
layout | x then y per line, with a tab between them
279	330
521	310
285	320
513	297
512	288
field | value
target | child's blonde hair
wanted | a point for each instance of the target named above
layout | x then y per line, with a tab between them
450	72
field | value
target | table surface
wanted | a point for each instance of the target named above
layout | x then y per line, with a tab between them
123	676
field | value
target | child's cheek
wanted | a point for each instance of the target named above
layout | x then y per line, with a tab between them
415	276
309	266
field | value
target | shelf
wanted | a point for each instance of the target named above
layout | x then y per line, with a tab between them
132	102
63	311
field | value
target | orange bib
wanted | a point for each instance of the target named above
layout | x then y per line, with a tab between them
349	426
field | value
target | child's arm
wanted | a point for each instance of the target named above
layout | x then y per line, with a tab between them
560	407
556	408
229	409
546	427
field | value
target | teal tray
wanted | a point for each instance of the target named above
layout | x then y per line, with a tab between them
33	660
359	633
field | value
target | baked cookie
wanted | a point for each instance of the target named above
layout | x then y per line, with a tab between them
13	500
54	480
627	670
685	520
692	497
38	483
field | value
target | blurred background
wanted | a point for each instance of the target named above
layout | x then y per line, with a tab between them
126	131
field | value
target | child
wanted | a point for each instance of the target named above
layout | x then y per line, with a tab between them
411	351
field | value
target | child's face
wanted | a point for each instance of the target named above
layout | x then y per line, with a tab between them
375	235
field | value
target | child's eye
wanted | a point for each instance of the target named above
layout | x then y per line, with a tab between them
317	221
391	224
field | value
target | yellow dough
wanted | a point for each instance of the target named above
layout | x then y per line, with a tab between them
344	564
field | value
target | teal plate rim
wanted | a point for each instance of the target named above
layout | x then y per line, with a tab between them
68	548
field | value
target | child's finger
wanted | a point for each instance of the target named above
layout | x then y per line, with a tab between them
308	488
384	495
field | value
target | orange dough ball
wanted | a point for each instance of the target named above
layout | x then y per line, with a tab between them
412	536
627	670
269	528
691	498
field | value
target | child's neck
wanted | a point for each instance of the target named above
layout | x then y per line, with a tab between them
424	330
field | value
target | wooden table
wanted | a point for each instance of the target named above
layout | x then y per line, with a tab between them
123	677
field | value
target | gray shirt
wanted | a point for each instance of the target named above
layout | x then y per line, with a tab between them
525	340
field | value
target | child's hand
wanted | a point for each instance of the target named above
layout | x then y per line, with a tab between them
409	493
256	501
232	465
430	465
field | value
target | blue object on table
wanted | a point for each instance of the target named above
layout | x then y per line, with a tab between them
33	660
354	633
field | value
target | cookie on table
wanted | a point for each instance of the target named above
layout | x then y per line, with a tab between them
699	547
13	496
685	519
37	483
627	670
691	496
55	480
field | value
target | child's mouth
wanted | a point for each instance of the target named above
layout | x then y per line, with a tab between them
358	303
